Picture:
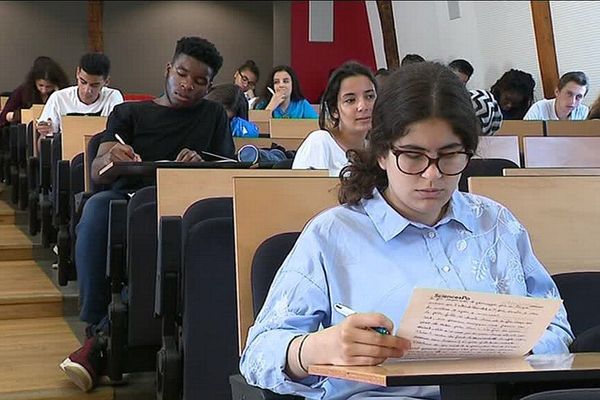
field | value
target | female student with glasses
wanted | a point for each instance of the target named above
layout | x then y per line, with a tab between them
246	77
401	224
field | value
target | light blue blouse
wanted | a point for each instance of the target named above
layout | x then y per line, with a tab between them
370	258
296	109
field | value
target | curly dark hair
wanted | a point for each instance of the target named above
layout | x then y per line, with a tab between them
200	49
519	82
414	93
43	68
296	91
329	100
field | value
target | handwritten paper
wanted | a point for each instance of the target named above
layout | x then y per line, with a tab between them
458	324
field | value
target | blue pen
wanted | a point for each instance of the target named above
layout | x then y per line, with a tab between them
347	311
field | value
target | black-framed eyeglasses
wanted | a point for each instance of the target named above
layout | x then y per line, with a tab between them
413	162
246	80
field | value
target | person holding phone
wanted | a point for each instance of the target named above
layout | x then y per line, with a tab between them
90	96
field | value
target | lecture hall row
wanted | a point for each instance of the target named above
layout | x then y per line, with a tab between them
542	203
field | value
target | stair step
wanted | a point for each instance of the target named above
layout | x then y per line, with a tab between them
31	351
7	214
15	244
27	292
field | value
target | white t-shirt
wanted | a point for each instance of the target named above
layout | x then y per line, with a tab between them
66	101
320	151
544	110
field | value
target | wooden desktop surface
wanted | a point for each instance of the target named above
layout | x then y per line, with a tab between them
471	372
551	171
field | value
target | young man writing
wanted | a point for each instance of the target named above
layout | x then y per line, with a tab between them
178	126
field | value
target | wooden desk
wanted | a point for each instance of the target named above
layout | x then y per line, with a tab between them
287	128
177	189
148	168
551	171
472	379
261	118
573	128
521	129
3	100
292	202
506	147
571	152
558	212
74	128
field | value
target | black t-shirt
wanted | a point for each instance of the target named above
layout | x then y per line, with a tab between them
159	133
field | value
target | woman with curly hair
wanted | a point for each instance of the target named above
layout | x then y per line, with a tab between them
401	224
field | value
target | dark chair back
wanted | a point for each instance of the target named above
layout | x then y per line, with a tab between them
143	329
268	258
580	292
209	299
484	167
92	151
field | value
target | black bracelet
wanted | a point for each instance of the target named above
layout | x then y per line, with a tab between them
300	353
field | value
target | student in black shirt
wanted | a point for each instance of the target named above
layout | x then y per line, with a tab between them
177	126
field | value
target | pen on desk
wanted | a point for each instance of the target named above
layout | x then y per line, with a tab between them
347	311
218	156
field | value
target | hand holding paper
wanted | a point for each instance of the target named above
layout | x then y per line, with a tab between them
458	324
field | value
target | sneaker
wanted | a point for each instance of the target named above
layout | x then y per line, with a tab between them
85	365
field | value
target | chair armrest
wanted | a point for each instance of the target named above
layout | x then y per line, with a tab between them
45	165
117	244
587	341
168	268
63	187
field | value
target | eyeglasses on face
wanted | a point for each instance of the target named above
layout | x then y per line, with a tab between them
413	162
246	80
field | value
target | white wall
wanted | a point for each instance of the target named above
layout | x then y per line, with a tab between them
494	36
577	39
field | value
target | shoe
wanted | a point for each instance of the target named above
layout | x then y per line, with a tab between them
248	153
86	364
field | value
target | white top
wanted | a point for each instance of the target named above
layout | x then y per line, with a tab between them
66	101
544	110
320	151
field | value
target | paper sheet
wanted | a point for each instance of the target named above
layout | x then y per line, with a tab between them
460	324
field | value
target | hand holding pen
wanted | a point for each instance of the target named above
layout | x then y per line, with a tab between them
353	341
347	311
124	152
